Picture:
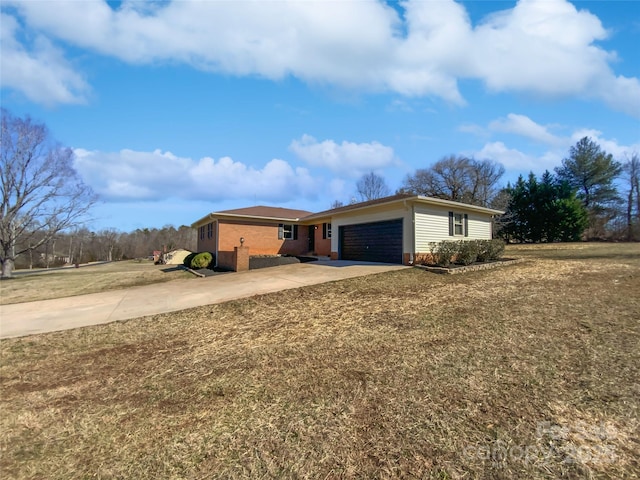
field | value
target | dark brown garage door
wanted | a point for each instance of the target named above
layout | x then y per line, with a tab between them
372	242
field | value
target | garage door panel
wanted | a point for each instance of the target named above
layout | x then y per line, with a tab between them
372	242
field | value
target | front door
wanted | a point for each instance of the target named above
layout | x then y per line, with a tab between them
312	238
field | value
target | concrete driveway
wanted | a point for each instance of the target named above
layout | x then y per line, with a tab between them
72	312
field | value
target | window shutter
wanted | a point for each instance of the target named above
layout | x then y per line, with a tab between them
451	224
295	232
466	225
280	231
324	230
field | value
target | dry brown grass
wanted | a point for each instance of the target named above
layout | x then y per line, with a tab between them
528	371
67	282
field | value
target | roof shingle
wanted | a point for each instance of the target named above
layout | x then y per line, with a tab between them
264	211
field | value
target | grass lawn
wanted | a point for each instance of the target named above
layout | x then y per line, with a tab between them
525	371
57	283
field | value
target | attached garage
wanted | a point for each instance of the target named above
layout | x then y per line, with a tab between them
372	242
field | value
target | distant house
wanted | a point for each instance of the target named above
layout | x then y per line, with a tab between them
391	230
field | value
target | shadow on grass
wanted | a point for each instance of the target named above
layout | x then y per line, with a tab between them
177	268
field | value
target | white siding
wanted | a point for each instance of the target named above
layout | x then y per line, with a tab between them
479	227
432	225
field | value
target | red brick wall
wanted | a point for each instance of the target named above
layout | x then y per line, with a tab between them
322	245
207	244
260	238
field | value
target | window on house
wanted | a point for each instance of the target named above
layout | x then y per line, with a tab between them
458	224
326	230
287	231
202	232
210	230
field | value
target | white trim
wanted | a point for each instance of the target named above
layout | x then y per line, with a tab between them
419	199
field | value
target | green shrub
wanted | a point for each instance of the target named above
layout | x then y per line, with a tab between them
201	260
484	249
496	249
443	252
187	260
467	252
490	250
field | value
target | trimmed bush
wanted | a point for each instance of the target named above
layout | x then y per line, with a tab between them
467	252
443	252
462	252
187	260
496	249
484	250
201	260
490	250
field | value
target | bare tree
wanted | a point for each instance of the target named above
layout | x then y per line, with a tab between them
457	178
42	194
337	204
484	176
631	170
371	186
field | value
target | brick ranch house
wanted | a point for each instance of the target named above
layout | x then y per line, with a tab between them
392	229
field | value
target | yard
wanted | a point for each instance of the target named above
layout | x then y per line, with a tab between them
55	283
526	371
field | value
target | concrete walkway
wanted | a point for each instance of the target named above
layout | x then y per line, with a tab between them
72	312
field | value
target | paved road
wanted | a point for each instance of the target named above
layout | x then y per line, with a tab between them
72	312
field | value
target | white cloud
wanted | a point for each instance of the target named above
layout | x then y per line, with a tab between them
537	47
346	158
513	159
41	73
524	126
555	147
609	145
548	48
132	175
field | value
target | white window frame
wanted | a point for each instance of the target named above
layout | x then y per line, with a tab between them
326	230
287	231
457	224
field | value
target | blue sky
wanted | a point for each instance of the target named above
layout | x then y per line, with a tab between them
177	108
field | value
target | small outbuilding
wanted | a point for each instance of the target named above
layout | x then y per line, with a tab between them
175	257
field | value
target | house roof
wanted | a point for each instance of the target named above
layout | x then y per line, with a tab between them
403	197
260	212
355	206
269	212
285	214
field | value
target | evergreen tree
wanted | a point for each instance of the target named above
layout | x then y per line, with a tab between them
543	211
591	172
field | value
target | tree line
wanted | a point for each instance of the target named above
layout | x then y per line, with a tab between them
590	196
82	245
